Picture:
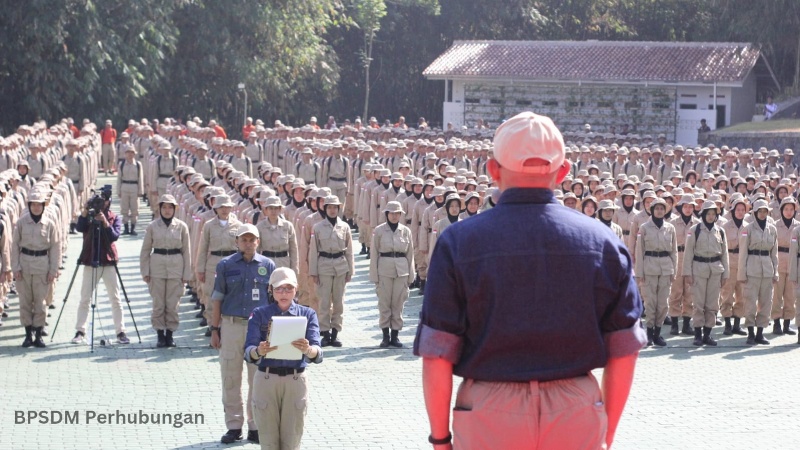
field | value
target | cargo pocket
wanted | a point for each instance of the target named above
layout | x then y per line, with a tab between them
260	404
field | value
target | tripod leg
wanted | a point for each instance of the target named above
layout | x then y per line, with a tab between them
94	304
66	296
125	294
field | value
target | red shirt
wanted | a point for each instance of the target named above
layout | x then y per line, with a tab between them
108	135
246	130
220	132
75	132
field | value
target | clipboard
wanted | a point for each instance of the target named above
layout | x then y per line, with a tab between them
283	330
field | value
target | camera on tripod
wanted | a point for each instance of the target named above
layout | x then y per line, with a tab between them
97	203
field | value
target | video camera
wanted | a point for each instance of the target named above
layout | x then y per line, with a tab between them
97	203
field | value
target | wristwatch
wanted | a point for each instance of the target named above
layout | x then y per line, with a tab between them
213	328
442	441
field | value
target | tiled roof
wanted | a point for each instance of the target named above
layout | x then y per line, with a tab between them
677	62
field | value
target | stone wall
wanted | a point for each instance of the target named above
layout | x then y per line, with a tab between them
754	140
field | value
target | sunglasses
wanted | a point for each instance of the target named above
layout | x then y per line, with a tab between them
283	289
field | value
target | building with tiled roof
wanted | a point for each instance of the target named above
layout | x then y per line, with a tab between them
653	87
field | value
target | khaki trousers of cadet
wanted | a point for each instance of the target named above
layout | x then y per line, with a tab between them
341	194
279	406
108	156
348	206
758	301
392	296
32	290
655	290
331	302
731	300
421	260
51	292
705	293
311	294
783	299
166	293
551	415
680	296
109	277
233	331
129	206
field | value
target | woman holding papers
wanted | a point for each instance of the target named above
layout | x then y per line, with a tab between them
280	390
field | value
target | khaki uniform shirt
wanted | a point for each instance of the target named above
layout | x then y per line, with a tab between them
331	239
215	238
384	240
650	238
37	237
172	267
130	178
708	244
279	238
784	238
753	237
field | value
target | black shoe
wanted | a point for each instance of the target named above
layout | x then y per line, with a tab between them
72	229
674	329
44	330
776	327
385	342
395	342
422	286
737	328
252	436
38	342
367	257
127	230
199	315
786	329
161	342
51	307
668	320
751	336
4	315
122	338
204	322
687	330
760	339
717	321
335	342
649	337
168	341
363	250
28	337
133	229
707	339
728	329
698	337
326	339
231	436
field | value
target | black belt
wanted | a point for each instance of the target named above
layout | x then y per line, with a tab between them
626	232
733	250
393	255
275	254
337	179
657	254
281	371
76	181
681	248
30	252
167	251
223	253
164	176
130	182
783	249
758	252
408	222
331	255
707	260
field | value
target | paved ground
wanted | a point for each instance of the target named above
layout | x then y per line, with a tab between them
363	397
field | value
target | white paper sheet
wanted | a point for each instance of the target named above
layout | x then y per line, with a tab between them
283	331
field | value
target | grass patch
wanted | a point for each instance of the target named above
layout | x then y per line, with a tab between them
770	126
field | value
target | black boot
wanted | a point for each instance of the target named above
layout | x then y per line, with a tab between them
751	336
133	229
385	341
38	342
776	327
161	342
786	329
168	341
657	339
737	327
422	286
675	327
395	342
728	329
127	229
668	320
199	315
326	339
335	342
687	330
698	337
649	336
367	253
28	337
707	339
72	229
760	339
363	250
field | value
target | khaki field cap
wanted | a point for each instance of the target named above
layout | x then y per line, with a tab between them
282	276
332	200
393	207
760	204
36	197
607	204
223	200
166	198
247	228
525	137
272	201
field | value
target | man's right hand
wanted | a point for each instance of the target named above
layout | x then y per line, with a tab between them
18	275
215	339
201	277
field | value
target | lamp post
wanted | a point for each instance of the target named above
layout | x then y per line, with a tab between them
241	88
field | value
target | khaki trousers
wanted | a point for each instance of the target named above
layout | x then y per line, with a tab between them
392	296
758	301
731	301
705	293
166	295
280	405
348	206
233	332
129	206
109	277
331	302
51	292
783	299
310	295
551	415
680	296
109	158
655	290
32	290
341	194
421	260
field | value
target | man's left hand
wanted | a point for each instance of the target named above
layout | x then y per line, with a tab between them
102	219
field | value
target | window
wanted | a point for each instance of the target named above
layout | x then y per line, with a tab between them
574	104
633	105
471	100
449	90
524	103
605	104
495	101
661	105
549	103
687	106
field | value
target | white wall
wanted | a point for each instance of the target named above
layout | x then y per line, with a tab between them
703	97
